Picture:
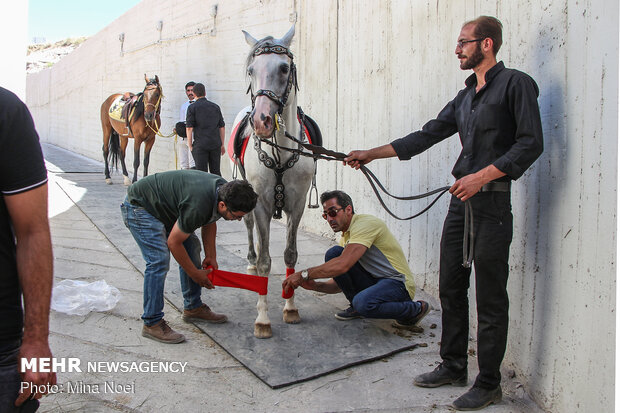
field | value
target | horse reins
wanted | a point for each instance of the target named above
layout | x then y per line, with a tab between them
319	152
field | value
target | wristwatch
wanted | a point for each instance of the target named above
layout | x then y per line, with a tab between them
304	275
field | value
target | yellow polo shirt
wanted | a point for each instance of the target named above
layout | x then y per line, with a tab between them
385	257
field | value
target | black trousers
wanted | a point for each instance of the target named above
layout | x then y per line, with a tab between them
493	235
208	160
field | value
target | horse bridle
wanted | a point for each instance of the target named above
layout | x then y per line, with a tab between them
292	78
275	163
150	86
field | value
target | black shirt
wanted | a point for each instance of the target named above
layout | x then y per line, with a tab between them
499	125
206	119
21	169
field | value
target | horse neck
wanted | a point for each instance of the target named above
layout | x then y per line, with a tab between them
291	125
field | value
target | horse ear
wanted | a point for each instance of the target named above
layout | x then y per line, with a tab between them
288	37
249	39
157	79
146	79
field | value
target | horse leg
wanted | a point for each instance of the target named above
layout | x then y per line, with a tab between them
248	219
136	158
124	141
290	313
262	324
106	154
148	145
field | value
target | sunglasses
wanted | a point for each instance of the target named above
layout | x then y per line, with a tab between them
332	212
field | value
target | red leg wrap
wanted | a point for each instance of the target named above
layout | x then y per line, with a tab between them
290	293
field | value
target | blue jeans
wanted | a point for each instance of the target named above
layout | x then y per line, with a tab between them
151	236
374	297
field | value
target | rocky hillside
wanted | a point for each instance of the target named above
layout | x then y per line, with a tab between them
42	56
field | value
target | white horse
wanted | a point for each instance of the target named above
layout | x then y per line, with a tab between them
281	178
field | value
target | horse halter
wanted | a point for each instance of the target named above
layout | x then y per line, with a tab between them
292	78
150	86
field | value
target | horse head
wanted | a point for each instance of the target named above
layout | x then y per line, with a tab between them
151	97
272	76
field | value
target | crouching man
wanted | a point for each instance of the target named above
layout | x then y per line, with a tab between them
162	211
368	266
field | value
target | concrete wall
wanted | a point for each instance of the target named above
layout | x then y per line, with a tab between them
371	71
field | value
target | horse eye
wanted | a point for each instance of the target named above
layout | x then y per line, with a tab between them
284	68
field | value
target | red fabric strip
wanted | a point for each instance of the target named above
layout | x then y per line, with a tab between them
290	293
254	283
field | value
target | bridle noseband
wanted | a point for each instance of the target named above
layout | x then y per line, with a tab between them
292	78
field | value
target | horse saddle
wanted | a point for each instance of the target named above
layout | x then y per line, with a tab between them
122	107
238	144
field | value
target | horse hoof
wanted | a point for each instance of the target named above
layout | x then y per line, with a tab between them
262	330
251	269
291	316
108	181
126	181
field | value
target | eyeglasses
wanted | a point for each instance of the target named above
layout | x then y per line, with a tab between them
332	212
460	43
235	217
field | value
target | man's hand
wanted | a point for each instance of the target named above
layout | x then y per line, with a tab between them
355	159
223	150
201	278
292	281
470	185
467	186
210	262
28	350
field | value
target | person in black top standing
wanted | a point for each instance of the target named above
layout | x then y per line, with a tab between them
25	259
498	121
205	132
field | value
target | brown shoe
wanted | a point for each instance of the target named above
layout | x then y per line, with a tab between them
204	313
163	333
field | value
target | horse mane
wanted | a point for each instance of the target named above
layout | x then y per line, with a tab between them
138	106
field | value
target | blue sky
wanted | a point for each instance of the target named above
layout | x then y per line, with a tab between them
58	19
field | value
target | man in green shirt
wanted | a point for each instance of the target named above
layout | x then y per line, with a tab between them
368	266
162	211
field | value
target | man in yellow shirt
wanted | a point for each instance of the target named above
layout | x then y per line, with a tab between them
368	266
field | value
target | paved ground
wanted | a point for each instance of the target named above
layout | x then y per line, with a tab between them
212	380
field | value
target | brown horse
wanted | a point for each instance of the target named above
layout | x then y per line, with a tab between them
143	125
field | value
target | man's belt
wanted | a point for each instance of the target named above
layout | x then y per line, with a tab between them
496	187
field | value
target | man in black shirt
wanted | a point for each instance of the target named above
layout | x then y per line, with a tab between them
498	121
25	258
205	132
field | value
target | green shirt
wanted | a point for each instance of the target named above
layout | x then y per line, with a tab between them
188	197
384	257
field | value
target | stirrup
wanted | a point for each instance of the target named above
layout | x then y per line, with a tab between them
314	191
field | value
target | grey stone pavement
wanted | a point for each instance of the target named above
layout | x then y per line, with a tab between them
88	245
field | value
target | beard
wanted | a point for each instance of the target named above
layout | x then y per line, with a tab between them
473	60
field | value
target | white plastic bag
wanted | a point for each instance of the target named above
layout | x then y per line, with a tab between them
80	297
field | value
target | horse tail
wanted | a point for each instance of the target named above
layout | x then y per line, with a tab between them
115	149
